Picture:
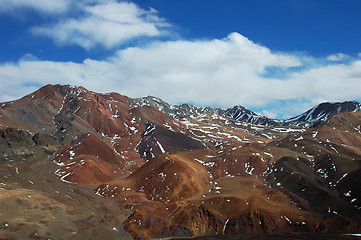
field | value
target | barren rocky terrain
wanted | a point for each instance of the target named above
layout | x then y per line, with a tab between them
75	164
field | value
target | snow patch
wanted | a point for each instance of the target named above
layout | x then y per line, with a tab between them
160	147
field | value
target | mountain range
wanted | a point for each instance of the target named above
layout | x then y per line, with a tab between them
310	118
77	164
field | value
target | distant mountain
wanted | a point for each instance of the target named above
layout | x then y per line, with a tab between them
242	114
310	118
179	111
321	113
238	113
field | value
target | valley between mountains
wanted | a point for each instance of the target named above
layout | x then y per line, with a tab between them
76	164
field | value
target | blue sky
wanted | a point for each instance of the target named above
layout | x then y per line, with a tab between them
278	58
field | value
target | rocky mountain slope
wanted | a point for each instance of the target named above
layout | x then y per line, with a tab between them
322	112
108	166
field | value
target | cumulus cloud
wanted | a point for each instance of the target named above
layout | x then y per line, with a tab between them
108	24
199	71
337	57
218	72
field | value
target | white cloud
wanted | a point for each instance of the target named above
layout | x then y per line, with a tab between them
206	72
337	57
48	6
108	24
269	114
219	72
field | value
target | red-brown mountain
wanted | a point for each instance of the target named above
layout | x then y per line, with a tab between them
190	172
